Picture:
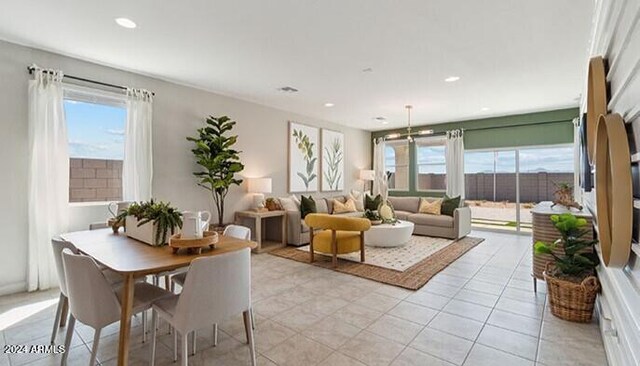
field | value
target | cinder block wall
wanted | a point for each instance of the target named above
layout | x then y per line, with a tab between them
95	180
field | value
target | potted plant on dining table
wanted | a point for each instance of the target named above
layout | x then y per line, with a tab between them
151	222
570	277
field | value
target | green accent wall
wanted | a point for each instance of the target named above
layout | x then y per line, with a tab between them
531	129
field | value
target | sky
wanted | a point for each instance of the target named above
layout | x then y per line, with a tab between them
95	130
554	159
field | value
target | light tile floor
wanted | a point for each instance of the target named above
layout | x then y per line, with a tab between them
481	310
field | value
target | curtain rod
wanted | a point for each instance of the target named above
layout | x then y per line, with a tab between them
31	69
488	128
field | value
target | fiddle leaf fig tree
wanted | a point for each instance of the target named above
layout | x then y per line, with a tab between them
218	160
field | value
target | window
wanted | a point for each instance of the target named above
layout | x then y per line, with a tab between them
397	164
431	164
95	129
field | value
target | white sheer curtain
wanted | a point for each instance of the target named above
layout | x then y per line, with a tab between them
454	156
48	183
577	190
380	185
137	167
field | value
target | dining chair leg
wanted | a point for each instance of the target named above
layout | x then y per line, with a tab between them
249	329
94	348
65	312
56	322
67	340
175	346
253	320
334	249
144	326
154	332
193	342
215	334
167	282
184	347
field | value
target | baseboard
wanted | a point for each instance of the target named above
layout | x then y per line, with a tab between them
13	288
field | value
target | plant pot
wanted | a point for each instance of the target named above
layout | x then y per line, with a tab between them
145	233
376	222
572	301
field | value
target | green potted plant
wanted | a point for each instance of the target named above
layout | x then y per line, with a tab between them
373	217
570	276
218	161
150	222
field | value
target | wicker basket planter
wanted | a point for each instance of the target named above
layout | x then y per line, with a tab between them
572	301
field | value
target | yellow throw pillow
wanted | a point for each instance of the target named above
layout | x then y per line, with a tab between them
432	208
339	207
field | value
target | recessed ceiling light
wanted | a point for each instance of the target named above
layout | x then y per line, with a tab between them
381	120
329	104
451	79
126	23
484	109
368	69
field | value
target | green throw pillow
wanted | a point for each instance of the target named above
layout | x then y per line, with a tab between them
307	206
449	205
371	203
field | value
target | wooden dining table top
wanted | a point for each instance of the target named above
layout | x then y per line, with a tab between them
126	255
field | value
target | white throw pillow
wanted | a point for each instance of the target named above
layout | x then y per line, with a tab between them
288	204
358	198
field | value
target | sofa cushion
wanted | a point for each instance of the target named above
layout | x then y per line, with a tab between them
349	206
304	228
307	206
321	206
430	207
329	201
431	220
350	214
402	215
289	204
409	204
449	205
358	197
372	203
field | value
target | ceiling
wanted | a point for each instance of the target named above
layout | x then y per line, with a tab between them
511	56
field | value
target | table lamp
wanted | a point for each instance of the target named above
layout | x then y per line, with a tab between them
366	175
258	186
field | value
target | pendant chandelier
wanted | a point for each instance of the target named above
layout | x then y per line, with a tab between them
409	134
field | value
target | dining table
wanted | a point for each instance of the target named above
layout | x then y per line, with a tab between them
134	259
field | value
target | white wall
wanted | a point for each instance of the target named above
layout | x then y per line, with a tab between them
616	36
178	112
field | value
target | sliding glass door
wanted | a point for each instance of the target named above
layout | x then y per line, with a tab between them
502	185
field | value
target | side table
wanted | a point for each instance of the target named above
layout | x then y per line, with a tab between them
264	244
544	230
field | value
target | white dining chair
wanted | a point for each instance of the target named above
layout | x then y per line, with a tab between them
237	231
58	245
94	302
234	231
215	288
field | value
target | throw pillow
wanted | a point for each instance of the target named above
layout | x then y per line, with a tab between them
307	206
449	205
430	207
372	203
339	207
358	198
288	204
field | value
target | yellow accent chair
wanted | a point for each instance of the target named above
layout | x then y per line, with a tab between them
337	235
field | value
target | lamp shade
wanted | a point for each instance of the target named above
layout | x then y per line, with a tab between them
259	185
367	174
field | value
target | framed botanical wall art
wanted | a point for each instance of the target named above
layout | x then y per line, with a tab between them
332	160
304	158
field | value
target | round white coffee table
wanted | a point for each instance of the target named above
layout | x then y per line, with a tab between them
389	235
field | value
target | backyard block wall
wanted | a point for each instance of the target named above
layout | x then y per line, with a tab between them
95	180
534	187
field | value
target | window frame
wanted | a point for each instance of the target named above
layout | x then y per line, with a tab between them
429	141
83	94
408	165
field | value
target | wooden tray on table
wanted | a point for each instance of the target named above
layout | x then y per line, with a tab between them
209	240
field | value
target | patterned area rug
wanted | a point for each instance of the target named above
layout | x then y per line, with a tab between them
411	278
399	258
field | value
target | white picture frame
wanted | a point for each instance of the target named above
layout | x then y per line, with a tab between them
332	163
304	158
